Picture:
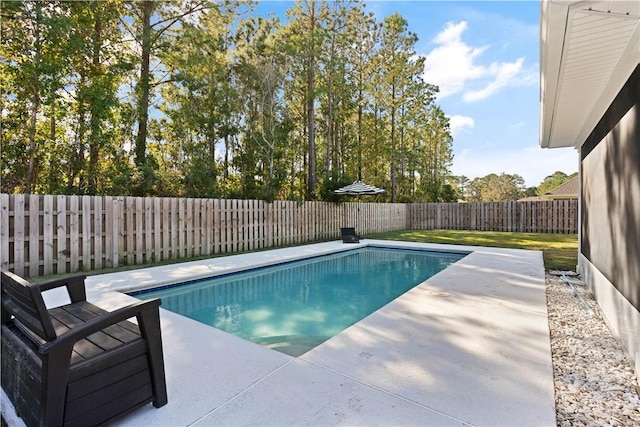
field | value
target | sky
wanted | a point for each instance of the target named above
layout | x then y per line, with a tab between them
484	56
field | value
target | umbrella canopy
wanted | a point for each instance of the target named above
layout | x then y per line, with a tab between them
359	188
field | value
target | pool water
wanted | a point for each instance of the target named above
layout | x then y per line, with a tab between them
295	306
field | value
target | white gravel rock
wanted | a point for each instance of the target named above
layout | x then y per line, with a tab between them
594	382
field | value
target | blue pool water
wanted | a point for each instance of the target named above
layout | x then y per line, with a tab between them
295	306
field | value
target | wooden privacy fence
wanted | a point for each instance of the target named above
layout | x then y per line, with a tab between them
45	234
41	235
553	216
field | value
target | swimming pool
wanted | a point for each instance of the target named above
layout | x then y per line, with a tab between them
295	306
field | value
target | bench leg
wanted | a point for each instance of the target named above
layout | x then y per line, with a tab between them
54	387
149	322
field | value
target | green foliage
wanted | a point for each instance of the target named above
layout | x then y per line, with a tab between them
329	185
552	181
201	99
496	188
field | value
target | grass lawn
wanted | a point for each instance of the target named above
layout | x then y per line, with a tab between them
560	251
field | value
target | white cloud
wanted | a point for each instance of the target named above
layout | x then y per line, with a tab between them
532	162
506	74
453	66
458	123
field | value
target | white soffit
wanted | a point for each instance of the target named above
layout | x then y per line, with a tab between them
588	50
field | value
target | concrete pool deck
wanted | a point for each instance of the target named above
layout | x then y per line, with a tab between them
470	346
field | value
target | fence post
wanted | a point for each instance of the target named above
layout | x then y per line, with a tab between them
4	232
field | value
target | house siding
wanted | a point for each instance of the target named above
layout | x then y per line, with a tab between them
610	214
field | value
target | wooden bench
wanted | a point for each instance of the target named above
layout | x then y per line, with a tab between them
77	364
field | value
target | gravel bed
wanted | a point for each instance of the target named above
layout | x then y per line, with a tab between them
595	384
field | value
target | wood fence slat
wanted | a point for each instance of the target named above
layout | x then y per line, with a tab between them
74	232
269	223
4	232
226	234
217	224
98	223
34	235
251	224
148	229
139	228
62	250
236	225
109	231
19	234
86	237
208	227
276	222
129	214
157	229
166	230
48	228
189	228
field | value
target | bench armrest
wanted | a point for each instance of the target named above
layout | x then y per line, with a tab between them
74	284
141	310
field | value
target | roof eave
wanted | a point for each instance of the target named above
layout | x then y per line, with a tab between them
557	27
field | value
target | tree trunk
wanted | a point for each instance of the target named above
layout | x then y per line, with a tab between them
94	143
143	85
393	143
360	101
35	106
311	141
31	168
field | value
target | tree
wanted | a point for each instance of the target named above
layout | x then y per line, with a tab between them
266	126
34	41
365	33
200	97
188	98
437	156
496	188
552	181
461	182
399	68
151	27
97	69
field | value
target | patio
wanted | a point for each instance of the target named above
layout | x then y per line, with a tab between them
470	346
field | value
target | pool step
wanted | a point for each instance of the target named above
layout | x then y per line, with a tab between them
292	345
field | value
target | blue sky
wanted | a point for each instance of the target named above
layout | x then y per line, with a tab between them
484	56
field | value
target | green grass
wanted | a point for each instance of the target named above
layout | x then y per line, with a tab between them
560	251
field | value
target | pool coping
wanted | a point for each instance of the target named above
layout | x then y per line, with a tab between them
469	346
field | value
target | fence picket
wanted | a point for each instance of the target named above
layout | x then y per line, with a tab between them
47	231
4	232
61	242
98	224
148	229
217	220
74	233
18	234
85	237
34	234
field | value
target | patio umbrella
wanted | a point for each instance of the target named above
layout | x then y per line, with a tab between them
359	188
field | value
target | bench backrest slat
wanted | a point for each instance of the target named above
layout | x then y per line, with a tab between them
24	301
